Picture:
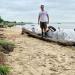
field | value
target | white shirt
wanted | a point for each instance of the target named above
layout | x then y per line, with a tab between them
43	16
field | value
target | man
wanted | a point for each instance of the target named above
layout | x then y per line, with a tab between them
43	20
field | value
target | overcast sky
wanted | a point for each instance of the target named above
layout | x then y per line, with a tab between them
27	10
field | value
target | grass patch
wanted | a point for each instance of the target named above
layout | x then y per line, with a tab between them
9	46
4	70
4	42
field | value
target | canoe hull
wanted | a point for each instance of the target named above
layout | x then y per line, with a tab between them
35	35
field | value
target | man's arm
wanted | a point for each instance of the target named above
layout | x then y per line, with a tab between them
48	18
38	18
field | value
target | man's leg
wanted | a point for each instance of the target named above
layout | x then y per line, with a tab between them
42	31
45	29
41	26
45	34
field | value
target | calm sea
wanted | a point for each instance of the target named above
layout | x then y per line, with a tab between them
64	25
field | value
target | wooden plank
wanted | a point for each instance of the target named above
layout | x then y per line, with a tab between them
35	35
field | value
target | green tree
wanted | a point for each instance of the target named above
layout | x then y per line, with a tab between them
1	20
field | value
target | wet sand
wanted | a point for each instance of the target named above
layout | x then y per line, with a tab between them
36	57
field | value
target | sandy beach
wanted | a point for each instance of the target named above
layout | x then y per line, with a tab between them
36	57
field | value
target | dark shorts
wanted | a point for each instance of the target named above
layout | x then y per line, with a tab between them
43	25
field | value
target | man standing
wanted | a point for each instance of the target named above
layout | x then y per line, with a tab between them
43	20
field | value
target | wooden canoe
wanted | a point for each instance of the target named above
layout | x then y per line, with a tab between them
35	35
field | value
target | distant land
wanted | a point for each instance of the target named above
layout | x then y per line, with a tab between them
3	22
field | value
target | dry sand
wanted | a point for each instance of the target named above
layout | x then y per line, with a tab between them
36	57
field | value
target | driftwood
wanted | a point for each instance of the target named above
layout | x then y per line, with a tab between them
35	35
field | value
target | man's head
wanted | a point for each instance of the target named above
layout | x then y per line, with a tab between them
42	7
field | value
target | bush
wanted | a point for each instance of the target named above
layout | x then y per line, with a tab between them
9	46
4	70
5	26
1	26
11	25
1	20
